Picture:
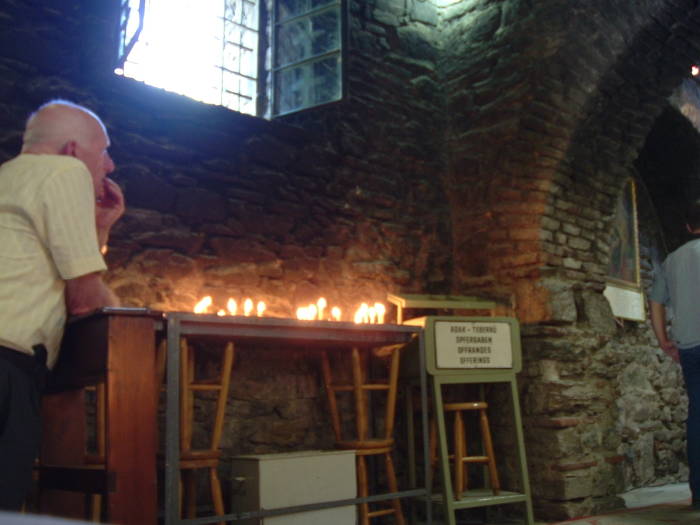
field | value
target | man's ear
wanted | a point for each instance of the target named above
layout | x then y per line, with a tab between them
69	148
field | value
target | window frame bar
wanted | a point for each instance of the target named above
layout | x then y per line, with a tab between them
343	12
121	31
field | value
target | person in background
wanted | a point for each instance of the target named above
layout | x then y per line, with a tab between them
677	286
57	207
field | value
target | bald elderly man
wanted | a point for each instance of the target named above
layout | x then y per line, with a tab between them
57	207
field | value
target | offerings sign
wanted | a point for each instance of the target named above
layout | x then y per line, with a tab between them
473	344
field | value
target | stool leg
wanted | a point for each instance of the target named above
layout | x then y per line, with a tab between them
359	372
190	493
393	487
460	452
330	392
216	495
186	394
432	443
488	448
362	489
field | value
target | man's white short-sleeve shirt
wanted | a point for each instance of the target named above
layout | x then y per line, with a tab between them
676	285
47	235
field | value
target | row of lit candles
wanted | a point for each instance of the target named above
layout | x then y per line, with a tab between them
314	311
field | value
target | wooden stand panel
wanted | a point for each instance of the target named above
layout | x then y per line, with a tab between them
131	415
63	438
119	349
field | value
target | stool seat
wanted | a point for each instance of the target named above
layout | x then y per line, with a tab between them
191	461
366	444
468	405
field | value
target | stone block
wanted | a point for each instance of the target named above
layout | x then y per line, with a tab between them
386	18
598	313
242	250
567	486
425	12
269	151
579	243
548	223
571	263
200	205
143	189
181	240
417	42
644	459
232	275
562	303
164	263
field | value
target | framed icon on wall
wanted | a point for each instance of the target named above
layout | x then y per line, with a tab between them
623	289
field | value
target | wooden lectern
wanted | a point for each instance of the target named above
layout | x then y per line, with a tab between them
115	346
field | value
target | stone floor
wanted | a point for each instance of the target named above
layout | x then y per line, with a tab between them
668	504
655	495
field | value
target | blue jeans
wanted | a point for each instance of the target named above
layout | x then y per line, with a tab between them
690	364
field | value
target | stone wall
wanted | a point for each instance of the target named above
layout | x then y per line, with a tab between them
550	105
341	202
243	207
480	149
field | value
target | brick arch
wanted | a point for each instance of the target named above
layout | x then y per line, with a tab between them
616	120
586	151
587	92
540	138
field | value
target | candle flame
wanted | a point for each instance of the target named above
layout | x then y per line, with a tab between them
373	316
320	310
202	306
362	314
366	314
247	307
232	306
381	310
321	304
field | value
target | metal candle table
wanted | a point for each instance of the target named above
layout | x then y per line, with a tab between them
252	331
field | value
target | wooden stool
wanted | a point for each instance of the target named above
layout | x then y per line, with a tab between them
361	441
460	457
192	459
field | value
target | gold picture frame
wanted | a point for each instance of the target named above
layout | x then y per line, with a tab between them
624	290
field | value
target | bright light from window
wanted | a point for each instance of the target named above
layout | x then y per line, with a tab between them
695	70
185	47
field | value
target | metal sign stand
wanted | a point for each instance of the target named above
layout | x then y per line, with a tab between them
469	350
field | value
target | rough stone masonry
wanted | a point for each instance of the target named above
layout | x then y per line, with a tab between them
480	149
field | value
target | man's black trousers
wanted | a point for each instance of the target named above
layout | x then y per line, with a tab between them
22	379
